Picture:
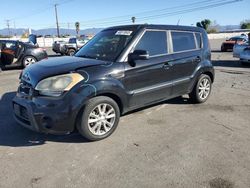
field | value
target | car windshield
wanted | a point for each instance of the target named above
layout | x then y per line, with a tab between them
106	45
72	40
236	39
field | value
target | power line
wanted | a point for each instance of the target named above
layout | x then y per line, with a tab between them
153	14
181	10
161	12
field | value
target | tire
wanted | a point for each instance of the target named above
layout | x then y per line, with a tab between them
71	52
28	60
93	122
244	63
202	89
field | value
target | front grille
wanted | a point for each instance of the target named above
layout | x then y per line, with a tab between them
21	112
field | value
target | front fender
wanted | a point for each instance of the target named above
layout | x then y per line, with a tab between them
106	87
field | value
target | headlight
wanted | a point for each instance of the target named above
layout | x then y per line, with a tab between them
56	85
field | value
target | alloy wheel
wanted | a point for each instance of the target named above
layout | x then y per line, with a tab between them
101	119
204	88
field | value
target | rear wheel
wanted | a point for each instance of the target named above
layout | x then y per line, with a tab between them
202	89
28	60
244	63
99	118
71	52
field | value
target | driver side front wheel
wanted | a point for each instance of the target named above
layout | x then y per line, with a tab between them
99	118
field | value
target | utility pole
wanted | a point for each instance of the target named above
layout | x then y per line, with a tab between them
178	21
57	25
8	25
15	28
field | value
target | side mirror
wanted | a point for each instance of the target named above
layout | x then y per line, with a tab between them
137	55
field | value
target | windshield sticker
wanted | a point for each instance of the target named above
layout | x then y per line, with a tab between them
127	33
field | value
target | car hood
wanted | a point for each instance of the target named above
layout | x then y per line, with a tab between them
56	66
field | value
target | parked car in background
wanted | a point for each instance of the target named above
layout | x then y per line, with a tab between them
73	45
245	56
17	53
238	48
229	43
121	69
57	46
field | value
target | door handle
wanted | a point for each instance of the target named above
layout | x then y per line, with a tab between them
167	65
197	59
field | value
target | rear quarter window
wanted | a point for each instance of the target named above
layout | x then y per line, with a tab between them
198	40
182	41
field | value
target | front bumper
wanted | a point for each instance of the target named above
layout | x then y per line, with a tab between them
40	114
245	57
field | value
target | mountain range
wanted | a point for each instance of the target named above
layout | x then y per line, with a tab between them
63	31
49	31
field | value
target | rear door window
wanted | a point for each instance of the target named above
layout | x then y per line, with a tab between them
155	42
182	41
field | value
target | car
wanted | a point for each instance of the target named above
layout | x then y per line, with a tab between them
229	43
245	56
121	69
238	48
73	45
17	53
57	46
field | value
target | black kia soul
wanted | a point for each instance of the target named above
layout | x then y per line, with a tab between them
121	69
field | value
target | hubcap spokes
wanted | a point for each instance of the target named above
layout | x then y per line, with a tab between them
29	61
101	119
204	88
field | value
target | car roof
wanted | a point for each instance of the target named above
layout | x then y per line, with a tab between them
153	26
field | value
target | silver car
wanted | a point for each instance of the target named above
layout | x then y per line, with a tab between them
245	56
238	48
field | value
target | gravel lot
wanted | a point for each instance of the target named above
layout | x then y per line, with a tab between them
173	144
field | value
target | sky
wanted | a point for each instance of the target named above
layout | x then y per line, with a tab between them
104	13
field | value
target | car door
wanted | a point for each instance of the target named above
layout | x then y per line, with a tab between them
187	54
8	52
19	51
149	80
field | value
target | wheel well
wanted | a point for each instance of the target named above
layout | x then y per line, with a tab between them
115	98
29	56
210	75
110	95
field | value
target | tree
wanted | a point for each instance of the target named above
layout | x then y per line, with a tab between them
214	27
204	24
133	19
245	24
